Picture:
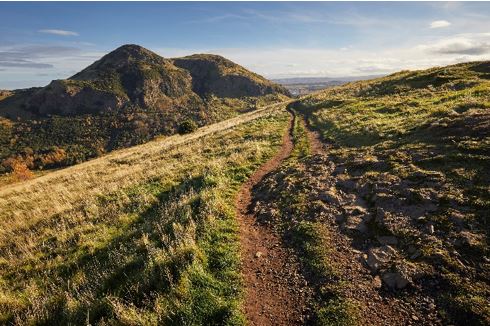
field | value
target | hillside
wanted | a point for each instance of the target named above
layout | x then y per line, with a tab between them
213	74
144	235
402	188
127	97
364	204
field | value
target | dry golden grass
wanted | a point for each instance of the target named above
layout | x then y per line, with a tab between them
61	190
144	235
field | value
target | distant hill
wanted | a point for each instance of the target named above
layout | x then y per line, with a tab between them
213	74
127	97
305	85
134	75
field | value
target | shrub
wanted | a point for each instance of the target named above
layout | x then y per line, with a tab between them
55	157
187	126
19	169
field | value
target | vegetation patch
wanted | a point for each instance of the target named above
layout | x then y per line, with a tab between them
158	251
414	147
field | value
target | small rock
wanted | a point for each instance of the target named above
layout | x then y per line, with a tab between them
395	280
258	254
377	257
415	318
356	224
330	197
431	229
388	240
377	282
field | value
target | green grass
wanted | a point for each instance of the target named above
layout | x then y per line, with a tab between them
311	239
431	129
162	251
301	145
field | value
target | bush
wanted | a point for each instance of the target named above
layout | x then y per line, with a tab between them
19	168
187	126
54	158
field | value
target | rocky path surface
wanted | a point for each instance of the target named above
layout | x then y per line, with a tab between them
275	291
378	306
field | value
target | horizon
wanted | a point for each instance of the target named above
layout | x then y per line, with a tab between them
46	41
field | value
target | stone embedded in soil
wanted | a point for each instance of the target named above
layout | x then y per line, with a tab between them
378	257
388	240
395	280
330	197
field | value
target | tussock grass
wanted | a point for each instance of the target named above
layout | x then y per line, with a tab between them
142	236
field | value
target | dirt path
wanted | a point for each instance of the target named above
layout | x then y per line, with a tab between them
275	291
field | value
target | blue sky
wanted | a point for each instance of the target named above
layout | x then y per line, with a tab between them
44	41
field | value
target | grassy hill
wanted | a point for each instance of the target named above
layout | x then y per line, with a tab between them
384	213
144	235
411	184
127	97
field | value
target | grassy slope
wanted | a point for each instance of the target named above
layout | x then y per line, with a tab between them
141	236
87	136
430	131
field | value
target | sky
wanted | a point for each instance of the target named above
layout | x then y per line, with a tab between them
40	42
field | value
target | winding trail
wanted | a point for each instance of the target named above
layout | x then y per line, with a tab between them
275	291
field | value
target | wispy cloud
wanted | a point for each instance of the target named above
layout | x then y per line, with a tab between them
38	56
217	18
297	16
440	24
59	32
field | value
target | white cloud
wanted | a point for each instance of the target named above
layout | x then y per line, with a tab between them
58	32
439	24
315	62
461	44
273	62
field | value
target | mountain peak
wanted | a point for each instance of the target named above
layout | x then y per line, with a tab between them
132	50
119	59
